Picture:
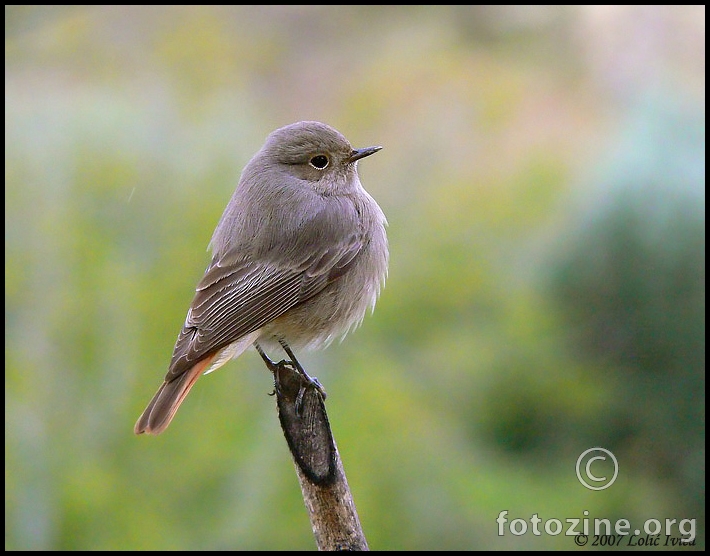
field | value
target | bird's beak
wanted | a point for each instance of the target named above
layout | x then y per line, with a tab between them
357	154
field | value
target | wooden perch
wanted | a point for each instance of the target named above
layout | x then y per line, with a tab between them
330	505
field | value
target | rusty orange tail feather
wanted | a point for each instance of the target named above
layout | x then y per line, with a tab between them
162	408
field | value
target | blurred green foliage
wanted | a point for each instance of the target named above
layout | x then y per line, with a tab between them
543	176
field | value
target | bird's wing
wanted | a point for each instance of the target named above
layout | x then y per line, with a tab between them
237	296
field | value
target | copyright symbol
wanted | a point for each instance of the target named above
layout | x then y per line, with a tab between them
600	455
581	540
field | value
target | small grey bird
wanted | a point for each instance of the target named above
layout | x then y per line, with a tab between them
299	255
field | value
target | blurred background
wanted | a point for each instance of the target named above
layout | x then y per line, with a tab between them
543	174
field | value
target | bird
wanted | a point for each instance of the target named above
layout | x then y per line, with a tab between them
298	257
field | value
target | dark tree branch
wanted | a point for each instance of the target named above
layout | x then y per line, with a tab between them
330	505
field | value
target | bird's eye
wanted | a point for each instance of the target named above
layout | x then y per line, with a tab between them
319	162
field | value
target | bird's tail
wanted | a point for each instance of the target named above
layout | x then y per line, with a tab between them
162	408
